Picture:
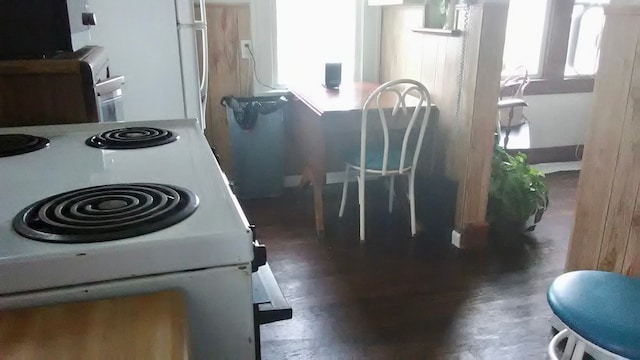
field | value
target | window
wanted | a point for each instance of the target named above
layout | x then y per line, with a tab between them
583	53
558	42
292	39
525	35
311	33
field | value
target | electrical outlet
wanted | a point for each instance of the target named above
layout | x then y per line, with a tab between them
245	45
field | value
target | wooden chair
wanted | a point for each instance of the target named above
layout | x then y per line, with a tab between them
511	103
381	157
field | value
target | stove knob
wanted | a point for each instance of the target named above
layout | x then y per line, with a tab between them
89	19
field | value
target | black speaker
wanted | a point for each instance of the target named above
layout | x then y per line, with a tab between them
332	75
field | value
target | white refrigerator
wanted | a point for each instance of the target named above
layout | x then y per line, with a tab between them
160	46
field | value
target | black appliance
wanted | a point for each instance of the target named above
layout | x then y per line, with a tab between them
36	29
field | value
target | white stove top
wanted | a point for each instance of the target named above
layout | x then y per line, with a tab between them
216	234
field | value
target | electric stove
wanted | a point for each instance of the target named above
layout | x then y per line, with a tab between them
17	144
84	219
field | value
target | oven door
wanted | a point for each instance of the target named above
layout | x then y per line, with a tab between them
269	303
109	96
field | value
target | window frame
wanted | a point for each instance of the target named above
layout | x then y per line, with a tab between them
554	55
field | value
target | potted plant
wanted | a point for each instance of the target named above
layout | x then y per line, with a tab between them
518	196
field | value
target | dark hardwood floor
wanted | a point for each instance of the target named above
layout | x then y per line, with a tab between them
395	297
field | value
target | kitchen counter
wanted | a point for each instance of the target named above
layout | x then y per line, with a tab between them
150	326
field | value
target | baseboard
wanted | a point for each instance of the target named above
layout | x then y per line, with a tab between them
552	154
332	178
455	239
474	236
549	168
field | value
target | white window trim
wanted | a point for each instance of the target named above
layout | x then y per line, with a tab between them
264	35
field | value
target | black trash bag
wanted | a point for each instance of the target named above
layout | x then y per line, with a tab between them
246	110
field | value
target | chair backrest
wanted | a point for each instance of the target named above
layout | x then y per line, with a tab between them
512	87
399	91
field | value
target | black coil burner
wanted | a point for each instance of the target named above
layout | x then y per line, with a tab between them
104	213
131	138
16	144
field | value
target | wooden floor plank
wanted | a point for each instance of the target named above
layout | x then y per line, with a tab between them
396	297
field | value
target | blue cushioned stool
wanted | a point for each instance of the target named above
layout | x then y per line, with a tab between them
601	311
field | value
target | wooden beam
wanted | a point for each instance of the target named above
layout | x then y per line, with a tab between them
464	144
631	264
478	113
605	233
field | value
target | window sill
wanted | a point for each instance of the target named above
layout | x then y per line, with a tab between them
271	92
565	86
440	32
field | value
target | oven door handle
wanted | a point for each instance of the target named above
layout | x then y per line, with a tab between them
109	85
269	302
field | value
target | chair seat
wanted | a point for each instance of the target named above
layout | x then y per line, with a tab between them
374	157
602	307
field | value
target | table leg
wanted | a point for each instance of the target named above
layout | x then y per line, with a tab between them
318	205
309	133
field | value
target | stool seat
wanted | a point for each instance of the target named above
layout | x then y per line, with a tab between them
601	307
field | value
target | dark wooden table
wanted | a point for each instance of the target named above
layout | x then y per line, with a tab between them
318	113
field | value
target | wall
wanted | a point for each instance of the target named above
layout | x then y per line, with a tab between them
229	74
433	60
465	142
555	120
559	119
120	32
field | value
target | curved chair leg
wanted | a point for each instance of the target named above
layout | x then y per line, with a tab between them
391	193
571	351
345	187
412	202
361	182
551	349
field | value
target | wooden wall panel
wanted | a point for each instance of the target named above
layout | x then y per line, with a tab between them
631	264
229	74
606	232
401	48
464	146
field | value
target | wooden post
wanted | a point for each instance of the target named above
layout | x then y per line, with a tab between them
464	145
606	232
473	138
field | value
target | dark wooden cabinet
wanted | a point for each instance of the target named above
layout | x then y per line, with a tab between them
60	90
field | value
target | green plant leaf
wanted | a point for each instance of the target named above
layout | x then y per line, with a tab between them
517	191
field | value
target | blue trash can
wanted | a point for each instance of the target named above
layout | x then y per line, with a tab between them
256	132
